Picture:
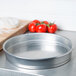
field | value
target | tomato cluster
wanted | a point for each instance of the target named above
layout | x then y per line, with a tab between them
42	27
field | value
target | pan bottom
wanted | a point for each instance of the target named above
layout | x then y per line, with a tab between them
37	51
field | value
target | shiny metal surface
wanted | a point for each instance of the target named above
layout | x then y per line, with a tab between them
69	69
38	50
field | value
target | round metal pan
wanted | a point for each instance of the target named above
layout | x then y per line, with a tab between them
38	50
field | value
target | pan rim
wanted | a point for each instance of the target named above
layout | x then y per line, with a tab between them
39	58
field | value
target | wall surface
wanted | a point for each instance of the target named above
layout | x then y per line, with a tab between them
62	12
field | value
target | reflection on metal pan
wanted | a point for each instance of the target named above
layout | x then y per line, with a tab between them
38	50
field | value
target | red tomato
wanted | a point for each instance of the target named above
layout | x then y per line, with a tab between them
45	22
41	28
46	28
32	27
36	21
52	28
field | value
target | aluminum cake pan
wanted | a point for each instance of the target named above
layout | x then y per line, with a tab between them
38	50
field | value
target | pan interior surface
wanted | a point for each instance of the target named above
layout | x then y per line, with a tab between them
37	50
